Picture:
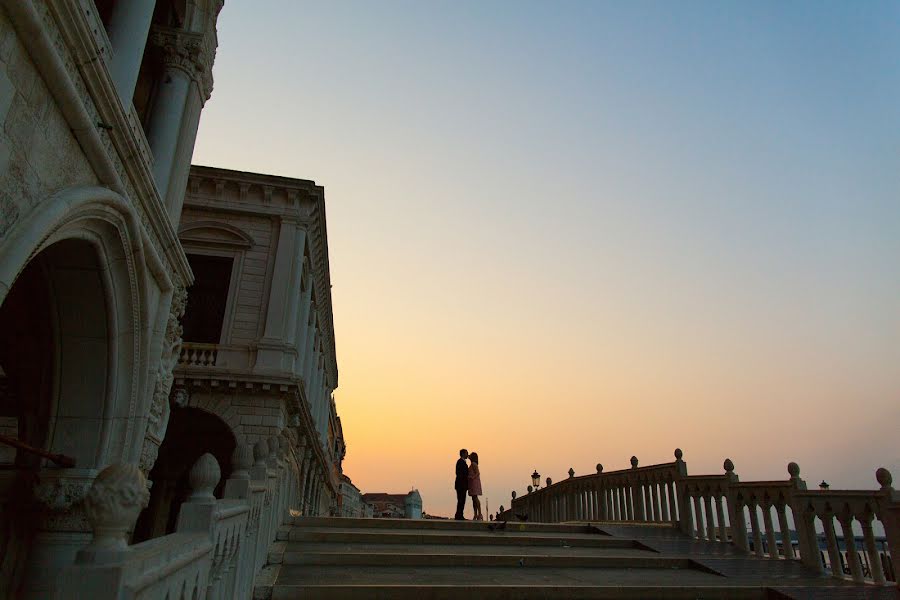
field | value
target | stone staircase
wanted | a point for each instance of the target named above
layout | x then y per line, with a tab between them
424	559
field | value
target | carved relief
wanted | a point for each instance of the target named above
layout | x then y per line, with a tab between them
192	53
158	418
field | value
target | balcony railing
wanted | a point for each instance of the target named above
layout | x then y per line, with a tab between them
723	509
198	355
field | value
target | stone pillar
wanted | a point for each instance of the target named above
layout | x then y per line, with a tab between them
186	62
271	346
295	296
302	322
129	25
181	166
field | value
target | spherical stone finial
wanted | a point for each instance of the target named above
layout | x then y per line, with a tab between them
793	470
729	466
634	462
549	482
884	478
571	472
514	495
260	452
678	453
203	478
242	460
112	505
530	489
599	468
501	508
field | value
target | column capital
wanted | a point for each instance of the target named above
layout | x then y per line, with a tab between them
191	53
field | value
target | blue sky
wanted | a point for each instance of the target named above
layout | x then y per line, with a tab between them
586	213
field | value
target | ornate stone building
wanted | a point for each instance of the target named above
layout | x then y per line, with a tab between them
100	102
258	358
99	106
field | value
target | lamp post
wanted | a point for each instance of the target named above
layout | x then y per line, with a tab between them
824	485
536	479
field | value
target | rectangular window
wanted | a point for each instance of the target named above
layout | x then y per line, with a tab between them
205	311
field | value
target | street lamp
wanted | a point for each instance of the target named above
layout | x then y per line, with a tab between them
824	485
536	479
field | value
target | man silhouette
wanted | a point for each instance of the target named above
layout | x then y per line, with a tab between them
462	483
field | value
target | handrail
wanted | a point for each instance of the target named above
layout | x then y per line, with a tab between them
60	459
754	516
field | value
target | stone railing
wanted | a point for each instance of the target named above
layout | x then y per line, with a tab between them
218	547
198	355
723	509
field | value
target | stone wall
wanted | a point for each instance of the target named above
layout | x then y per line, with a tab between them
38	153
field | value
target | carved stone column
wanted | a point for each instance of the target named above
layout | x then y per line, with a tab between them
129	25
188	59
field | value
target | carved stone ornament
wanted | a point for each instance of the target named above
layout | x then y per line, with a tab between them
159	406
112	505
203	478
61	491
192	53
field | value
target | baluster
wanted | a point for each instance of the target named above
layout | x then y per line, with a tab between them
875	565
654	502
786	542
658	501
720	517
673	501
834	552
684	510
710	525
738	522
846	521
771	540
754	526
664	491
698	515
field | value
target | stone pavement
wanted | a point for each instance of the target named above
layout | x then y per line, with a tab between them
416	559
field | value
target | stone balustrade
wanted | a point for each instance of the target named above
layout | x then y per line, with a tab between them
776	520
198	355
219	544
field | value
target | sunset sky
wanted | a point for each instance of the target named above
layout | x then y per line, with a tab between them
563	233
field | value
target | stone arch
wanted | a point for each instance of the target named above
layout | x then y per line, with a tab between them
75	270
192	432
88	244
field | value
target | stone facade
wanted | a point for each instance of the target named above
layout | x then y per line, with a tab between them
91	271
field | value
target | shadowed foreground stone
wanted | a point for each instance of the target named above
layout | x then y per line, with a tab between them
383	558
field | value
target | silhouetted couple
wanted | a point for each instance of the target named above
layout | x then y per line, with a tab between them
468	480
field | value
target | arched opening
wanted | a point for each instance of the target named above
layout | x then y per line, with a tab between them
54	357
191	433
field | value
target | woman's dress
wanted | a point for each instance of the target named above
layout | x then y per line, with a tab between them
474	480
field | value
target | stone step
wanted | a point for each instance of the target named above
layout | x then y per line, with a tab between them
426	583
518	551
443	525
477	561
472	538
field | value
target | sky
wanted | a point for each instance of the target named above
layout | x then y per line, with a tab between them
568	233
